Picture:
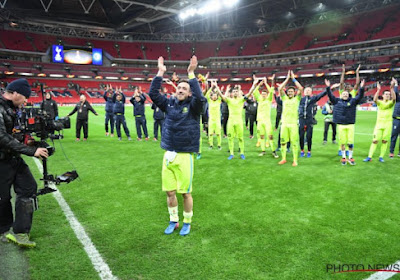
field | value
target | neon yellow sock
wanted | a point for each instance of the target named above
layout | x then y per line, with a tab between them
283	151
187	217
383	149
262	142
372	149
272	145
231	144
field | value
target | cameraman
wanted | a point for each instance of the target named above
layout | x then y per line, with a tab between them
50	106
14	170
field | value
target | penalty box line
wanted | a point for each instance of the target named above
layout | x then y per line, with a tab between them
99	264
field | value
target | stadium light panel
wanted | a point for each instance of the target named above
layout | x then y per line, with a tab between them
111	78
56	75
25	74
84	77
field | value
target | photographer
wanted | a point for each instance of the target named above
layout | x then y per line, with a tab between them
14	170
82	108
50	106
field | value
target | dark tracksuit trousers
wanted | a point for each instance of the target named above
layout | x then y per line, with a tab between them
326	129
395	135
157	124
306	127
141	124
110	118
14	171
224	122
79	124
120	119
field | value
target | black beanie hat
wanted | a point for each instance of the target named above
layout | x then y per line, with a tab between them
21	86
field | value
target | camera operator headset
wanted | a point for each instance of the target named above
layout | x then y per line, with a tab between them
14	171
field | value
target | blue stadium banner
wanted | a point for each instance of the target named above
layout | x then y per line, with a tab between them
58	54
97	55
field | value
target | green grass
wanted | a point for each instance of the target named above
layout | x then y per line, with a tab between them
252	219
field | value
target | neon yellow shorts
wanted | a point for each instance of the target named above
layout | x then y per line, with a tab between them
214	127
235	129
346	134
178	174
382	132
289	132
264	128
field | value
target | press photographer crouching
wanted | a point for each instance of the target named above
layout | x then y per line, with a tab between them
14	171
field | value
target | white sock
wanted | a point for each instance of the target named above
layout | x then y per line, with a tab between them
173	214
350	154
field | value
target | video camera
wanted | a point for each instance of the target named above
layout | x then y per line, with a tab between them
38	122
35	121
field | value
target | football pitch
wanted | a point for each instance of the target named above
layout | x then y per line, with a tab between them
253	219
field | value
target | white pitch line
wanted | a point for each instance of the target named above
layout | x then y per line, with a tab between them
359	133
99	264
384	275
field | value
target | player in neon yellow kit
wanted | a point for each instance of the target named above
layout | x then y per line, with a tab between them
384	121
235	121
214	115
290	117
264	127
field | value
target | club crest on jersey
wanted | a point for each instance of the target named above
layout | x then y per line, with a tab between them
348	104
184	110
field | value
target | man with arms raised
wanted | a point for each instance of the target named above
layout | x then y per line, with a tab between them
180	140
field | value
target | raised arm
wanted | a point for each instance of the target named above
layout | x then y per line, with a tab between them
283	85
332	98
219	92
378	90
342	77
197	96
356	86
73	111
298	85
169	82
394	89
154	92
360	94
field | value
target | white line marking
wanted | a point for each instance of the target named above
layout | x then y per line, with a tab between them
359	133
98	263
384	275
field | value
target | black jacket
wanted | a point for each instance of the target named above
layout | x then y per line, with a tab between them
181	130
306	106
8	144
158	114
138	107
396	111
345	110
251	107
50	106
83	110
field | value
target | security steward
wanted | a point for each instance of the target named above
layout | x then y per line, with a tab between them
14	171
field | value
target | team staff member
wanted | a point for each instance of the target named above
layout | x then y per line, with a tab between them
159	117
180	140
14	170
306	118
119	112
83	108
109	118
138	100
396	119
50	106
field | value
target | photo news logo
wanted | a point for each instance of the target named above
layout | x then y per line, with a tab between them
352	267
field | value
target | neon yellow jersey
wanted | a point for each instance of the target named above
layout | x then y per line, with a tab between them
353	92
290	109
214	109
235	106
264	105
385	111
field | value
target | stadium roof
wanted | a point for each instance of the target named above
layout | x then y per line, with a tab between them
162	19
